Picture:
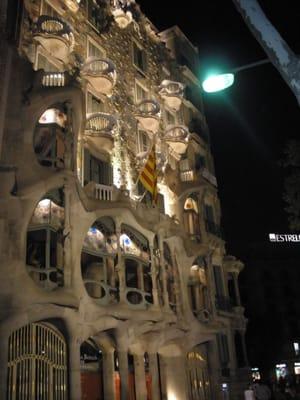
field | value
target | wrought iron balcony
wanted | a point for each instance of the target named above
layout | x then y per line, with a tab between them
148	114
172	93
177	137
212	227
55	36
223	303
100	128
100	73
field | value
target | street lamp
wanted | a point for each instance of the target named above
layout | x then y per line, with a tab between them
217	82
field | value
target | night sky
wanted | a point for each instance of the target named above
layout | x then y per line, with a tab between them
249	123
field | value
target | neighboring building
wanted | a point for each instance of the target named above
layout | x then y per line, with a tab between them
104	296
273	310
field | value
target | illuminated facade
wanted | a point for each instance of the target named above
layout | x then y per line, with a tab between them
104	296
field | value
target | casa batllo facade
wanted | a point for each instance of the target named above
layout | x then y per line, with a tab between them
103	295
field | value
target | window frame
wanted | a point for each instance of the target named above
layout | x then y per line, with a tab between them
144	88
93	94
93	42
141	68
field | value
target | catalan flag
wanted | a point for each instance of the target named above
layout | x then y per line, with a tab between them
148	176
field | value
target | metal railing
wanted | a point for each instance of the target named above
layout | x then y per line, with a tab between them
149	107
100	123
100	67
48	25
53	79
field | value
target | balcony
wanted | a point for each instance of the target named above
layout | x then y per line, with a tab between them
223	303
172	93
100	73
148	115
54	79
187	176
101	192
55	36
73	5
213	228
99	130
177	137
122	18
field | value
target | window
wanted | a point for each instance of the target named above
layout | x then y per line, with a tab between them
139	57
93	14
209	212
223	352
96	170
140	93
45	64
199	161
93	50
218	280
191	217
143	141
94	104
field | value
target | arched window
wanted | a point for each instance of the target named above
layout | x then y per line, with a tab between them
136	253
49	137
91	368
37	363
45	241
198	373
198	288
191	217
98	261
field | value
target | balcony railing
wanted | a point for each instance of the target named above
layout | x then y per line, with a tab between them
100	73
223	303
53	79
103	192
123	18
99	124
172	93
55	35
177	137
148	114
187	176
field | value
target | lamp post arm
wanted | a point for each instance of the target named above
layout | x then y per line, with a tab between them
251	65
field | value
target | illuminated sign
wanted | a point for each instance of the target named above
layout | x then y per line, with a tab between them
283	237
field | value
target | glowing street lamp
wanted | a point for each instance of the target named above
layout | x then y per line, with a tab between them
217	82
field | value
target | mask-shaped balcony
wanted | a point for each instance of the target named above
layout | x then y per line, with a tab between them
177	137
148	115
99	129
123	18
172	93
73	5
55	36
100	73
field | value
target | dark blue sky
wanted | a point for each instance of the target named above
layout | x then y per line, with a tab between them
250	122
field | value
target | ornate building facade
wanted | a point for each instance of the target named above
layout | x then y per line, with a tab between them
103	295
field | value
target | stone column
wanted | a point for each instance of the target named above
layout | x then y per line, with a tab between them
109	375
74	371
123	369
67	245
153	278
140	377
155	382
